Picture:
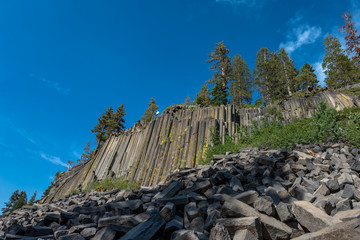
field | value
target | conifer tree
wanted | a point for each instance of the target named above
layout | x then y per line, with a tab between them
117	122
16	201
101	129
266	75
108	123
307	78
86	153
340	70
352	38
221	67
32	199
150	111
288	72
219	94
203	97
241	82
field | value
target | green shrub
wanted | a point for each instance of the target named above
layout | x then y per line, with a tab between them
351	91
108	184
326	125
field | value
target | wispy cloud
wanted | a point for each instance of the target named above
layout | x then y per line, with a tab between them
53	159
248	3
299	36
25	135
55	85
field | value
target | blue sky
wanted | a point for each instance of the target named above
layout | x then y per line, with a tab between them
62	63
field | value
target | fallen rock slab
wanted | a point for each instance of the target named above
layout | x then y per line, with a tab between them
311	217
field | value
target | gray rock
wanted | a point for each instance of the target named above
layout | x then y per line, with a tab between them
248	197
283	212
219	232
74	236
88	232
348	191
169	191
168	211
333	185
265	205
146	230
244	235
105	233
252	224
312	217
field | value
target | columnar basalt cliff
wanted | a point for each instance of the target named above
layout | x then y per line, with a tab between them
176	139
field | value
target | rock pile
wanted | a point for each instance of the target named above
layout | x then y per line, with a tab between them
311	192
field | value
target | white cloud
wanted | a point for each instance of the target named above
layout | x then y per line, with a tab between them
319	71
24	134
53	159
55	85
300	36
249	3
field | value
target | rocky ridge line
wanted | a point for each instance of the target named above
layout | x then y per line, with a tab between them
311	192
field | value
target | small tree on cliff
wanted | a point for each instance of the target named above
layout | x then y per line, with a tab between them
32	199
108	123
203	97
222	68
16	201
352	38
307	78
86	153
150	111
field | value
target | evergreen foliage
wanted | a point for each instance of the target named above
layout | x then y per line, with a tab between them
150	111
86	154
203	97
352	38
340	70
32	199
219	94
287	73
222	68
265	74
108	123
306	79
16	201
241	82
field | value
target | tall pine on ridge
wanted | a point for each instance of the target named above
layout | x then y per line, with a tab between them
221	67
150	111
241	82
306	79
340	70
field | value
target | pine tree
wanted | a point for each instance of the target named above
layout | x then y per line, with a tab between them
267	75
262	74
203	97
86	153
150	111
32	199
219	94
101	129
118	120
221	67
340	70
352	38
241	82
288	72
16	201
108	123
307	78
70	164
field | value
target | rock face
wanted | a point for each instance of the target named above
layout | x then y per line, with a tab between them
176	139
207	203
